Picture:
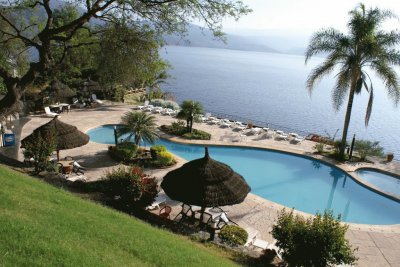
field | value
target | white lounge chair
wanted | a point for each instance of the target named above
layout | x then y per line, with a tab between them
225	123
94	98
50	113
157	110
160	199
277	249
251	236
260	243
255	130
297	140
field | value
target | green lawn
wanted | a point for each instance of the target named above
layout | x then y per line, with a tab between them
46	226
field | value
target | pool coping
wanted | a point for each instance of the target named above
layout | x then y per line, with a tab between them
339	165
356	176
304	155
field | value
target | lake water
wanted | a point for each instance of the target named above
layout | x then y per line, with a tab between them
270	88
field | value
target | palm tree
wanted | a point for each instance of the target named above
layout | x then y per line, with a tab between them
140	125
365	47
190	110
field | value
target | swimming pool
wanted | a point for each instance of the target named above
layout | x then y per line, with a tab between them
294	181
385	182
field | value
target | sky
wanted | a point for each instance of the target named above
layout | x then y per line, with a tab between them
302	17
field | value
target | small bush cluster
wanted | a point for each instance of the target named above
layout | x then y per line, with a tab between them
318	241
179	129
161	157
131	185
155	150
165	158
197	135
233	235
368	148
165	104
125	151
319	147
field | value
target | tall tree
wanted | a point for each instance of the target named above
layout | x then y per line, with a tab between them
128	55
39	32
366	47
190	110
140	126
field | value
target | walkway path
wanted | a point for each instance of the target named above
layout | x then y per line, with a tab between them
377	245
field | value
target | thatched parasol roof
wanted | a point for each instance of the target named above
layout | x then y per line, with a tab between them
67	136
58	90
91	86
205	182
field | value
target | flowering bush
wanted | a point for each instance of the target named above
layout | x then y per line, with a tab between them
131	184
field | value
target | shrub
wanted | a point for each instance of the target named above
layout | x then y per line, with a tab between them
165	158
368	148
157	102
155	150
171	104
132	185
319	147
233	235
179	129
123	151
198	135
318	241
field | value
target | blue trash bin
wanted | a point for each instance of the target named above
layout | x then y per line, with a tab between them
9	139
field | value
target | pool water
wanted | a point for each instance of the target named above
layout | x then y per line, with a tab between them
382	181
294	181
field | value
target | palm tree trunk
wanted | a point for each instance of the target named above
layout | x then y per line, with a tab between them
191	125
347	121
137	139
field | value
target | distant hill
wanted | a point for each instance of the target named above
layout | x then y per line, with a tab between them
198	37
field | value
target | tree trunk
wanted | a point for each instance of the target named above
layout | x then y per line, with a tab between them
137	139
191	125
347	120
11	103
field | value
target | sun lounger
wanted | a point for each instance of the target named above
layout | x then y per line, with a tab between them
225	123
255	130
94	98
75	178
260	243
297	140
160	199
157	110
49	113
277	249
281	135
251	236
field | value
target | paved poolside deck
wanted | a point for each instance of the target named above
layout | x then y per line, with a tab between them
377	245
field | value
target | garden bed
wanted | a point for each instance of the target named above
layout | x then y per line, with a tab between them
180	130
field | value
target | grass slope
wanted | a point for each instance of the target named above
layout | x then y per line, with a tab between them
43	225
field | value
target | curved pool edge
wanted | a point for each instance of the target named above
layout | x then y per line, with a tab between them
372	186
390	228
330	162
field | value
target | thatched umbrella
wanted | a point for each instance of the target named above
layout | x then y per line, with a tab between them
67	136
205	182
58	90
